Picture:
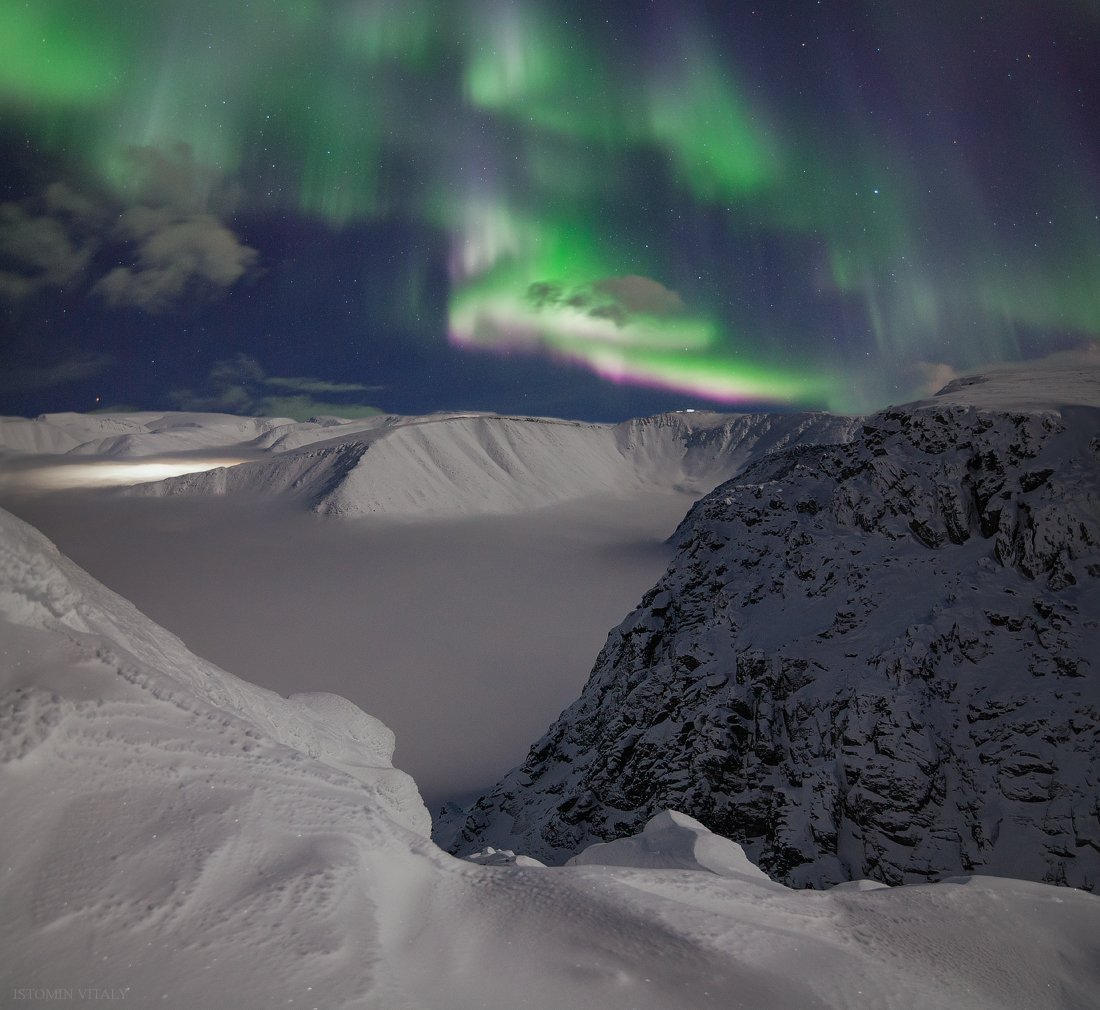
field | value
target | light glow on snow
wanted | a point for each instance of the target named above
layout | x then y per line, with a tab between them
109	473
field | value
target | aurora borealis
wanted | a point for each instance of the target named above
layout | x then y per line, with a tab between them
588	209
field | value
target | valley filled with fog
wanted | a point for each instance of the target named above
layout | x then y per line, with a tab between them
227	811
466	636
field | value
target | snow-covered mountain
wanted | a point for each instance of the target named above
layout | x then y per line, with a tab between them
134	435
463	464
873	659
174	837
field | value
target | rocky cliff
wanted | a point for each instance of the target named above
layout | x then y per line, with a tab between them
874	659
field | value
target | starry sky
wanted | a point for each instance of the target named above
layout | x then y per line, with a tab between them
581	208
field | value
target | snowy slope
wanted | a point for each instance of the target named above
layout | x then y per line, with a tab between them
133	435
173	837
487	464
878	659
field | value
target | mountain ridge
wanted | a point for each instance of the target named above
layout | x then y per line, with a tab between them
494	464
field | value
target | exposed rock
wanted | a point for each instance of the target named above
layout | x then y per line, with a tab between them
872	660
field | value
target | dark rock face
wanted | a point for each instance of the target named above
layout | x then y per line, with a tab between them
874	659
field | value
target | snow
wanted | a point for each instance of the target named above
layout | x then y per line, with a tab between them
1053	387
178	836
497	618
501	857
673	841
497	614
175	836
130	435
449	466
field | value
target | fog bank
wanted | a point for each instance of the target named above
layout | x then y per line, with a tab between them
467	637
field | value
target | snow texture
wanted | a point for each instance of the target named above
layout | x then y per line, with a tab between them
673	841
876	659
173	837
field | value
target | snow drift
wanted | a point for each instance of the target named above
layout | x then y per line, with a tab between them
175	837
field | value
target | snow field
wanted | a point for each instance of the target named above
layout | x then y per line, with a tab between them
175	833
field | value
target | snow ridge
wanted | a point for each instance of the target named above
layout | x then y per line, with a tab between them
873	659
132	435
453	465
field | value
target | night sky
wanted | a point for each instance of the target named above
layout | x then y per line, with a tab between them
584	209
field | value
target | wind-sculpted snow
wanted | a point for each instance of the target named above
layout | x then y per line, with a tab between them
173	837
674	841
454	465
126	669
876	659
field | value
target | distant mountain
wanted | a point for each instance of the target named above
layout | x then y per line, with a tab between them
450	465
872	659
132	435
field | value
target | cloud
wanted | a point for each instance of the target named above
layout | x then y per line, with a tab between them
305	385
63	202
239	385
168	226
38	251
176	180
542	293
302	408
643	295
1084	355
934	375
180	245
174	255
241	368
76	369
617	299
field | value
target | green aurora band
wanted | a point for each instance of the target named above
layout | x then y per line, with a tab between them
563	148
